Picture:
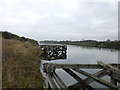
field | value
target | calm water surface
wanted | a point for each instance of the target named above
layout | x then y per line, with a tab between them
85	55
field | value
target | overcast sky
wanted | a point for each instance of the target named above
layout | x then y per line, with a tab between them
60	19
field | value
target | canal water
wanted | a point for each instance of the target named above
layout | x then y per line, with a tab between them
85	55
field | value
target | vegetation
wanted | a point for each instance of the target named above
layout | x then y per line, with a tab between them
20	64
91	43
8	35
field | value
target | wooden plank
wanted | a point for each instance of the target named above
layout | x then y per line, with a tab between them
81	66
72	74
106	65
114	70
115	65
59	81
51	82
112	67
115	76
97	79
78	79
99	74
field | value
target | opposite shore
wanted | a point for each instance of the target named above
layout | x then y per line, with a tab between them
89	43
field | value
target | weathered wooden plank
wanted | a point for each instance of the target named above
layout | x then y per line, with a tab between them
78	79
115	65
72	74
115	76
104	65
81	66
99	74
59	81
51	82
97	79
114	70
110	69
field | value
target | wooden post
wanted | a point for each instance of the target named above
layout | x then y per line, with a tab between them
114	82
49	88
59	81
51	82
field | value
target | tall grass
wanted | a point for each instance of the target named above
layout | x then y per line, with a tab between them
21	65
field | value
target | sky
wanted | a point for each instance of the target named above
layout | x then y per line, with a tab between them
60	19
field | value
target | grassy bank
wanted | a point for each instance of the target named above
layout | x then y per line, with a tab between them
21	65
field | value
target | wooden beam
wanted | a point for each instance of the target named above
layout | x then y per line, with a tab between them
72	74
97	79
80	66
99	74
115	76
115	65
59	81
114	70
51	82
78	79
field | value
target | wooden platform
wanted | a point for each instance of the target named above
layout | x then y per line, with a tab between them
112	70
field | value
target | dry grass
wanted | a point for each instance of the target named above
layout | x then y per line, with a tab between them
21	65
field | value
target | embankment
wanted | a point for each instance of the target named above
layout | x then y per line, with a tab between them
20	65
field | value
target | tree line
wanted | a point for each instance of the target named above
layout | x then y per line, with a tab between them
91	43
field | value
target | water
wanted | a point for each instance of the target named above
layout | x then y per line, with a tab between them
85	55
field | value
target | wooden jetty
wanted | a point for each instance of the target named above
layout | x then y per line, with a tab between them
52	52
111	70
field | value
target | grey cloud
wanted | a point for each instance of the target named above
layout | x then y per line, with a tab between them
61	20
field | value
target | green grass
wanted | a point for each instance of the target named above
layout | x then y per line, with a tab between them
21	65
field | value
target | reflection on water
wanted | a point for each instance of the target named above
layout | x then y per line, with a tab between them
53	56
53	52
